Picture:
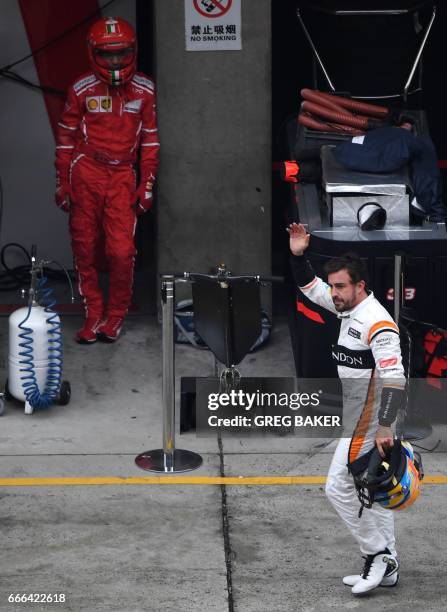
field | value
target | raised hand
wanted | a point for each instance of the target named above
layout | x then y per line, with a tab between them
299	238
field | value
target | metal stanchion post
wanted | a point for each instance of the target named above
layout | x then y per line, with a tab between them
168	392
168	459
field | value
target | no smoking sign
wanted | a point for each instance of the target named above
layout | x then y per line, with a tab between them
213	8
213	25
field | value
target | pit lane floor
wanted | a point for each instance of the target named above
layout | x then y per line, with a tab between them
198	543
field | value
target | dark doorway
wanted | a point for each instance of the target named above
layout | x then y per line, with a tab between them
145	297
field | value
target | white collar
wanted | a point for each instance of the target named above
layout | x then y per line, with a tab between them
349	313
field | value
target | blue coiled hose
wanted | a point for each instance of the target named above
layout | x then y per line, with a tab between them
35	398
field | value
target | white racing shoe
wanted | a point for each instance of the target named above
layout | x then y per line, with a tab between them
381	569
390	579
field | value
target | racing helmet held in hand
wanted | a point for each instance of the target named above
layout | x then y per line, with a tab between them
395	481
112	50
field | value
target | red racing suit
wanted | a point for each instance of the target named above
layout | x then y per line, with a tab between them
101	131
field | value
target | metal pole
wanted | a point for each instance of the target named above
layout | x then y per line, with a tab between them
418	56
168	392
397	287
314	49
168	459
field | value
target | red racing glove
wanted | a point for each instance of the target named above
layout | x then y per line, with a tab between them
143	196
64	194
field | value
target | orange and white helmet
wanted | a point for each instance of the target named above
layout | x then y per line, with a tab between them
112	49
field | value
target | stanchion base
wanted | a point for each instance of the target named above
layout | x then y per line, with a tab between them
157	461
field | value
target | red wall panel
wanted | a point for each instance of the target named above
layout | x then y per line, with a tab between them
62	61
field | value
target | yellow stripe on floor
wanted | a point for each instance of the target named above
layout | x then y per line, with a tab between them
179	480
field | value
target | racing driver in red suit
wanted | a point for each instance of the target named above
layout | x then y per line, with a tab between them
108	121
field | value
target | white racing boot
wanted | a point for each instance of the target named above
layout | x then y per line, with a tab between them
390	579
378	568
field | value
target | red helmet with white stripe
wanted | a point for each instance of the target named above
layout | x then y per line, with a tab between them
112	49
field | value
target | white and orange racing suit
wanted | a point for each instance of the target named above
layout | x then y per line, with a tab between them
369	363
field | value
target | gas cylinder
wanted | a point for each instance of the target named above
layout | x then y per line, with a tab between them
29	351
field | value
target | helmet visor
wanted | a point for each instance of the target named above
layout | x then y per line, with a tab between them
114	59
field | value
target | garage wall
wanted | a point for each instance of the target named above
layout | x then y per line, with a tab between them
214	193
27	143
214	112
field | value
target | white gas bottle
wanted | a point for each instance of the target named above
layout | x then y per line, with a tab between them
38	349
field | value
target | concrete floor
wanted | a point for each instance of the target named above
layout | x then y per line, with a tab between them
162	547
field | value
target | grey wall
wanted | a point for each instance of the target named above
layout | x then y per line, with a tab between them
27	154
214	112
